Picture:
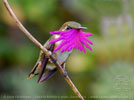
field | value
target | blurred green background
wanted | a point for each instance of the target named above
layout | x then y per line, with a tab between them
105	73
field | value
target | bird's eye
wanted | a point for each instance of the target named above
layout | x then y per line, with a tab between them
68	28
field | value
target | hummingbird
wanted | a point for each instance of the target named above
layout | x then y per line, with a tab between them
61	44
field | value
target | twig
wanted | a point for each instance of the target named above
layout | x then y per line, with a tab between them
48	53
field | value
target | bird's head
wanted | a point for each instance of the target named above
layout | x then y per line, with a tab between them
72	37
71	25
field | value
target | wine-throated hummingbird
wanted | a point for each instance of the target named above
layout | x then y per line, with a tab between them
44	66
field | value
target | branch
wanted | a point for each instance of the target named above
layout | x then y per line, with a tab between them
48	53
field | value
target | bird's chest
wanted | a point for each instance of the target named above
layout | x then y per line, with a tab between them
61	57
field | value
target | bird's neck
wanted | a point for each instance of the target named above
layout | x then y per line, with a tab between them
55	37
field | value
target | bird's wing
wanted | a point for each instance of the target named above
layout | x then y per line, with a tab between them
42	61
47	75
50	73
45	61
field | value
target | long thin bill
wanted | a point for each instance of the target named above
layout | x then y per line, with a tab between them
83	28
